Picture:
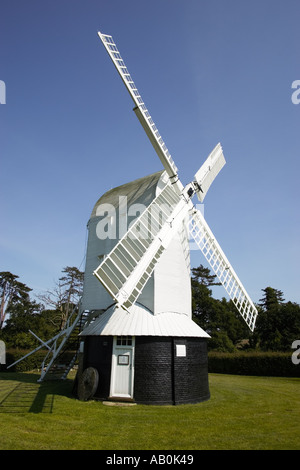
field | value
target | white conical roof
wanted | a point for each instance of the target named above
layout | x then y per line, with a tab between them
140	321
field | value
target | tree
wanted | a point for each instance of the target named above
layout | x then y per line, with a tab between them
278	323
202	276
203	305
11	292
219	318
272	299
72	283
66	294
23	316
289	325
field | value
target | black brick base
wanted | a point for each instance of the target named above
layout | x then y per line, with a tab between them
160	376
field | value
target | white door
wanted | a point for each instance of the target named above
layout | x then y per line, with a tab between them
122	367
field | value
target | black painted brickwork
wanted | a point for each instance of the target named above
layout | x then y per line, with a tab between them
191	372
162	378
98	354
153	370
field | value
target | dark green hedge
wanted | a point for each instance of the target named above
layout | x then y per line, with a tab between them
32	362
275	364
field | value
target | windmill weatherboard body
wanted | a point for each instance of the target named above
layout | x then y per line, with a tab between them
145	345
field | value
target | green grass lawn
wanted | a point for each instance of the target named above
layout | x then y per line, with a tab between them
242	413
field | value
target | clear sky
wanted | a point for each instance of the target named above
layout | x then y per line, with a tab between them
209	71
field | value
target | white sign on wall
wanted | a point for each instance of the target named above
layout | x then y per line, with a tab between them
180	350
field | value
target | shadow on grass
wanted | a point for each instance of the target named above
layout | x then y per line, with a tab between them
20	393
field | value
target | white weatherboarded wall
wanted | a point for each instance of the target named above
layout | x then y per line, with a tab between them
168	290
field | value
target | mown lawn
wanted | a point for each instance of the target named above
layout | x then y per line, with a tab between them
243	413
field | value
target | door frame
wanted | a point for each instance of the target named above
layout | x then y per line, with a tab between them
114	364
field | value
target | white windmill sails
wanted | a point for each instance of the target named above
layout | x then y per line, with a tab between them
126	269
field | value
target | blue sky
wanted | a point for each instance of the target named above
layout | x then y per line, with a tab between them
209	71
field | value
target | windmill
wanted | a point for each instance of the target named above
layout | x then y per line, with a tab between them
137	340
127	269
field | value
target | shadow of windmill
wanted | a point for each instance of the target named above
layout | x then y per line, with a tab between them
20	393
